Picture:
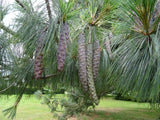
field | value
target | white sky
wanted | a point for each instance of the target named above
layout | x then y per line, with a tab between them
8	18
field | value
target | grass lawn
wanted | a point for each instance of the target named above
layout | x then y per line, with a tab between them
109	109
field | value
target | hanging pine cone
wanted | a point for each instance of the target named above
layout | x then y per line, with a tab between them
108	44
110	35
91	84
96	59
61	53
66	31
38	68
157	11
82	62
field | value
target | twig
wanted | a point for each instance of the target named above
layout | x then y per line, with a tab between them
48	9
46	77
6	76
149	39
21	4
7	87
3	27
49	76
20	96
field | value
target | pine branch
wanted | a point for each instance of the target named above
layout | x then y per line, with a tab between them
49	76
5	76
44	77
11	112
7	87
21	4
8	30
20	96
48	9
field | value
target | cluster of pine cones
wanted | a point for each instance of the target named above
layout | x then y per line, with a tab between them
61	53
89	60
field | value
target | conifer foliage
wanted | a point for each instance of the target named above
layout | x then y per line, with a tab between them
71	52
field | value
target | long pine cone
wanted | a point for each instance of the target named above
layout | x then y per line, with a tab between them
91	84
61	53
157	12
66	31
38	67
82	62
108	44
96	59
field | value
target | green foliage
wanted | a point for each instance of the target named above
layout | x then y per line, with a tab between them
3	11
75	103
11	112
135	46
65	10
141	12
135	68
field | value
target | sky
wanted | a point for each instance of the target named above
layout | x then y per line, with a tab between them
8	19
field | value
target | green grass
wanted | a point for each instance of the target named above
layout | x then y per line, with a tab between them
109	109
28	109
111	103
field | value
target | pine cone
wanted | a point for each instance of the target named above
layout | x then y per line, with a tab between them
110	35
38	68
157	11
108	44
96	60
90	73
61	53
66	31
82	62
